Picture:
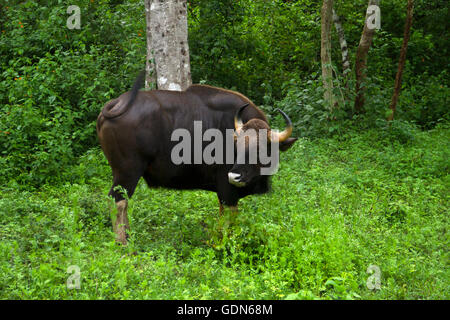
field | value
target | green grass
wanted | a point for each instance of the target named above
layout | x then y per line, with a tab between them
338	206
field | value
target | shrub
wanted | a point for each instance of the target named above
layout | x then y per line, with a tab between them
54	81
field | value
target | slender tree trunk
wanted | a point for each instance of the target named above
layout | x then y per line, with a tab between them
325	52
150	69
344	48
183	49
167	25
401	63
361	59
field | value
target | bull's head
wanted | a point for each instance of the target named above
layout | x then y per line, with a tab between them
250	137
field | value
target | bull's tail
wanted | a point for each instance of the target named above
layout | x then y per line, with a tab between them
138	84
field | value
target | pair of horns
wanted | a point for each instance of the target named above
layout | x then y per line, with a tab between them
274	135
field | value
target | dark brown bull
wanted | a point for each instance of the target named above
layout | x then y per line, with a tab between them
135	131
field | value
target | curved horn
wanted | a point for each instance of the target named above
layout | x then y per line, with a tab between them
282	136
238	124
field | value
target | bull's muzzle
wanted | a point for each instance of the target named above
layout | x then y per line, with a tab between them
235	179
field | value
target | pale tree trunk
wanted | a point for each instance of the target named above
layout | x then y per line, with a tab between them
401	63
325	52
150	70
168	43
183	49
344	48
361	60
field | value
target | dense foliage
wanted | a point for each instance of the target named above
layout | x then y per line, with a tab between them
339	205
55	80
356	191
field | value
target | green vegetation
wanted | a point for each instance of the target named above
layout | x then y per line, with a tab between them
354	191
338	205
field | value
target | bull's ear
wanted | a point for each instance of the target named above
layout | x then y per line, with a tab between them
286	144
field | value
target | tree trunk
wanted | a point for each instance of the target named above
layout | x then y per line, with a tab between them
361	59
150	69
168	29
344	48
325	52
401	63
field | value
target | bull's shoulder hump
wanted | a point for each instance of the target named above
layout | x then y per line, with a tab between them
170	101
219	98
226	100
207	90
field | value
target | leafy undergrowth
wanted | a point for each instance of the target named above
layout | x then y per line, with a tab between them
338	206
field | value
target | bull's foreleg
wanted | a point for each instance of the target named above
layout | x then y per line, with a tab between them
228	203
121	224
233	209
220	208
223	227
223	207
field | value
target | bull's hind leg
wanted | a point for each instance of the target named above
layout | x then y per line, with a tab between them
121	224
128	181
